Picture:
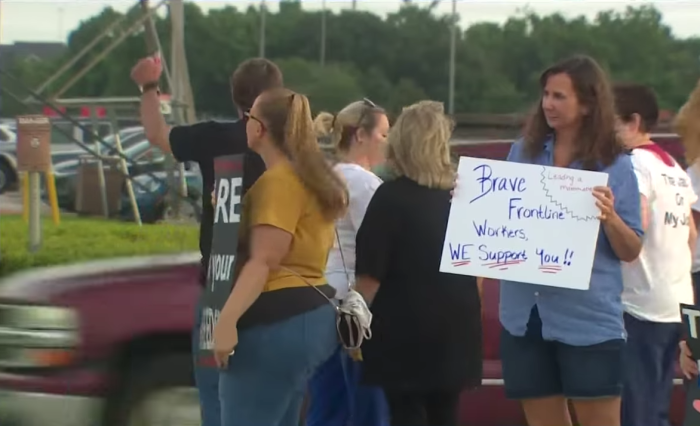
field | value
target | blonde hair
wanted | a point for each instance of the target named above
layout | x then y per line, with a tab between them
419	145
687	125
340	129
287	117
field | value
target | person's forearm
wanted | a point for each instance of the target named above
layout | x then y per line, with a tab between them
154	124
248	287
624	241
367	287
692	237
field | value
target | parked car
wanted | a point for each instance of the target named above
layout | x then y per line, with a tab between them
7	134
146	158
60	152
153	202
108	343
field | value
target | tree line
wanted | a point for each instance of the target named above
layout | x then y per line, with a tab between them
395	60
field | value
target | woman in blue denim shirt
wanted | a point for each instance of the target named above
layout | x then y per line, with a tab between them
559	344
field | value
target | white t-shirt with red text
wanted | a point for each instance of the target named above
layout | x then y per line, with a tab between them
659	280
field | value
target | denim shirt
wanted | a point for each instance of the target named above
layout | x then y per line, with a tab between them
578	317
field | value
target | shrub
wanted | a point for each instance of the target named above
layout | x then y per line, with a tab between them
79	239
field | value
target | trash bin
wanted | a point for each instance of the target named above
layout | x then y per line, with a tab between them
88	200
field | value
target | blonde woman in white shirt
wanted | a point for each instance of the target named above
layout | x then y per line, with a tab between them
358	133
659	279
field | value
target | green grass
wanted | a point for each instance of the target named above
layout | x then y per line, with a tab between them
79	239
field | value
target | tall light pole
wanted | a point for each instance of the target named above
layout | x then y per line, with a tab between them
323	34
453	52
263	13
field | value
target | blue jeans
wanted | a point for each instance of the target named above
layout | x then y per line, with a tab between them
265	382
696	286
650	358
338	399
206	378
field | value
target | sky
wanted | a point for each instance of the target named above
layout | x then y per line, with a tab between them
53	20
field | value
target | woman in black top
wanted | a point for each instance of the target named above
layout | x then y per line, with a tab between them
426	330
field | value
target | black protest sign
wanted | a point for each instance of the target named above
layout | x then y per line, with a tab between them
227	218
691	322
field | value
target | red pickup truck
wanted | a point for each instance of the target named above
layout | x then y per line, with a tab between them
108	343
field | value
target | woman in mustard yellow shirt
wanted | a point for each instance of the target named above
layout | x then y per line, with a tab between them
276	328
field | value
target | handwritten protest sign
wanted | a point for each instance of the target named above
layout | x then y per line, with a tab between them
691	316
523	222
227	218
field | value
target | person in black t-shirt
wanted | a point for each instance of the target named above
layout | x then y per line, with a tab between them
201	143
426	326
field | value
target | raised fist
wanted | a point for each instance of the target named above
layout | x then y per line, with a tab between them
147	70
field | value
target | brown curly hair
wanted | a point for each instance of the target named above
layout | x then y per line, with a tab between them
597	138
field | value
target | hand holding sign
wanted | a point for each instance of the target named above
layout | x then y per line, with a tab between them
690	349
689	366
225	341
605	202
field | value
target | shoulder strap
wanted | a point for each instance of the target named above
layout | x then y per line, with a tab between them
342	258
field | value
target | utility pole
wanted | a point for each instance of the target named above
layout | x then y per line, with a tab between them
263	21
354	4
323	34
453	52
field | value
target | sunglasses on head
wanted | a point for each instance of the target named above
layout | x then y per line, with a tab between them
368	106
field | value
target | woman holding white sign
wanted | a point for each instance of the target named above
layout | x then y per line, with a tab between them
426	329
279	325
560	343
358	133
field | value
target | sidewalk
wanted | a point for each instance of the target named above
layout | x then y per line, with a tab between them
11	204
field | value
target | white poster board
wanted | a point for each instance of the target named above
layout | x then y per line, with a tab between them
523	223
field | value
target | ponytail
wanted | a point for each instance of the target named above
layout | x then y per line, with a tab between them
315	172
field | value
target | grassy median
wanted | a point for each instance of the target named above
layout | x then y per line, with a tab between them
78	239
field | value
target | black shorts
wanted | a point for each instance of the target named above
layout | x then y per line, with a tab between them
536	368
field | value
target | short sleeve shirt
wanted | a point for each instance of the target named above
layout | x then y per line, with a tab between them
202	143
658	280
577	317
281	200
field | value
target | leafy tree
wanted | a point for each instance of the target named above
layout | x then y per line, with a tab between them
394	61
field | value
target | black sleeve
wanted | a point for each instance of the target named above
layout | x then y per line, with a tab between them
207	140
375	237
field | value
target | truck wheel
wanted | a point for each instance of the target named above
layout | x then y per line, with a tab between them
159	391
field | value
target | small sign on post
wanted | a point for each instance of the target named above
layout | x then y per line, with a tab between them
33	143
34	158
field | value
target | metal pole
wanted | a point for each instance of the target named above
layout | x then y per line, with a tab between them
110	28
323	34
34	212
77	76
453	52
263	14
124	167
100	165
